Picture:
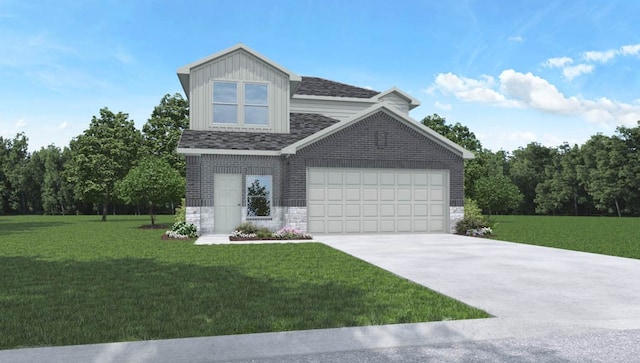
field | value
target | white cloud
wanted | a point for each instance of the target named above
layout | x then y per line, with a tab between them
516	38
64	125
534	92
470	90
443	106
526	90
21	124
572	72
630	49
557	62
602	57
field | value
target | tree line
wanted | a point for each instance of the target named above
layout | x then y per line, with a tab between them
599	177
111	164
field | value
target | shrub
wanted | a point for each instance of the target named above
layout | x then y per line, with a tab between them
291	233
482	232
183	230
181	211
264	233
473	220
247	227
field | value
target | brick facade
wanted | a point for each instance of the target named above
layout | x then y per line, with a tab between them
379	141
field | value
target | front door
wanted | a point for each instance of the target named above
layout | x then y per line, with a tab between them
227	201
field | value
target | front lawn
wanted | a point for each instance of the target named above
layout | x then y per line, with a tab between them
605	235
76	280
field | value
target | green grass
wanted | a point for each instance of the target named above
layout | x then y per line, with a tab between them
76	280
604	235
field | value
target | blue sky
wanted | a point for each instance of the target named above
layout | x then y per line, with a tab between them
514	72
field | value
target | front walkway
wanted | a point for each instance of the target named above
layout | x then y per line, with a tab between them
550	305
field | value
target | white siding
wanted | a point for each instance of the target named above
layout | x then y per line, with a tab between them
340	110
238	66
395	100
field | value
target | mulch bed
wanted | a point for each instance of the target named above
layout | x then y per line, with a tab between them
167	238
237	239
154	226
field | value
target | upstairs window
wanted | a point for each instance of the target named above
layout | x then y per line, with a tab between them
225	102
240	103
256	106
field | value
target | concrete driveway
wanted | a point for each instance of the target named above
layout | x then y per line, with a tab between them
549	305
530	284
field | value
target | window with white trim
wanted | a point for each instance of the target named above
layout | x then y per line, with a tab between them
259	195
225	102
240	103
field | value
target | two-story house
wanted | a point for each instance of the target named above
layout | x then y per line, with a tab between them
269	146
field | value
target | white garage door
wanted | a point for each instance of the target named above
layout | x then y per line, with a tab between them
377	200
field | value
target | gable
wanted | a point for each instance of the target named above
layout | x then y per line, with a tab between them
381	137
396	116
238	66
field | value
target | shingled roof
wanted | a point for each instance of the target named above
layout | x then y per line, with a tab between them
314	86
301	126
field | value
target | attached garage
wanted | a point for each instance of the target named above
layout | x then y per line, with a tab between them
347	200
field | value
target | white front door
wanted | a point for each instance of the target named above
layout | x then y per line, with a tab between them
227	202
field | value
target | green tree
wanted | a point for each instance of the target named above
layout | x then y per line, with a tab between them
602	172
630	171
462	136
162	131
457	133
153	183
55	192
102	155
560	191
13	171
527	169
496	194
485	164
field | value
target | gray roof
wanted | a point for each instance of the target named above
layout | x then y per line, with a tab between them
314	86
301	126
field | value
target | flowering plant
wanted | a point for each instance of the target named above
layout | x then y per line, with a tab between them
239	233
479	232
182	230
291	233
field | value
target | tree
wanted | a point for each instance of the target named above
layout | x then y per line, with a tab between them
561	190
162	131
526	168
13	166
603	160
497	193
258	203
153	182
56	194
457	133
462	136
485	164
101	155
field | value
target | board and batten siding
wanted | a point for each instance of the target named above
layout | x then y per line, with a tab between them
238	66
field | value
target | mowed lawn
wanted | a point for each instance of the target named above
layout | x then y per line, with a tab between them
605	235
76	280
